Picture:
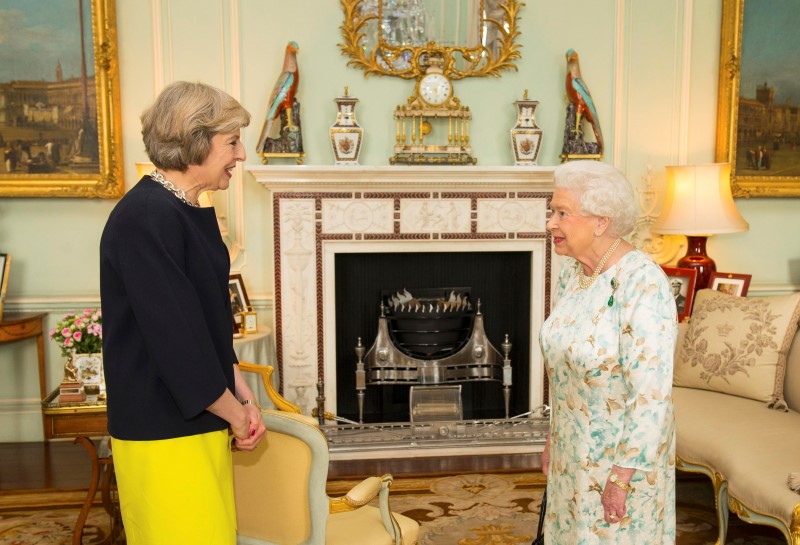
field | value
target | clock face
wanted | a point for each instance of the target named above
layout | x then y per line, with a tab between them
435	89
250	323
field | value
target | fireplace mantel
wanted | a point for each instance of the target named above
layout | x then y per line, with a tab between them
320	211
281	178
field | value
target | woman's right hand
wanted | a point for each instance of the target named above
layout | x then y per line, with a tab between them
240	426
546	455
234	413
256	430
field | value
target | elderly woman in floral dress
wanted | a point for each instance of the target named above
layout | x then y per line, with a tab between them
608	346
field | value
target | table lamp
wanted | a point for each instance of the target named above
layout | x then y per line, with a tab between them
699	204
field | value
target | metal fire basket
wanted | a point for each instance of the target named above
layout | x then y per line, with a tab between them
431	337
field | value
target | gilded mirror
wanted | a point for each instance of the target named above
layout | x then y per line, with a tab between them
396	37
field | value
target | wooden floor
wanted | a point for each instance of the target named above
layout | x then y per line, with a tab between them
62	465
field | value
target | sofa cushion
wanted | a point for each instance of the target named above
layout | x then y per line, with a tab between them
751	446
791	385
738	345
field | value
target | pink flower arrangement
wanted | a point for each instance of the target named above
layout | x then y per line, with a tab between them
79	333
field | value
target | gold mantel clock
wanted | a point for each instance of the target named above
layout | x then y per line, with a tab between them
433	126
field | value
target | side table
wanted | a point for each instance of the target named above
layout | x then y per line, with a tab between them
258	348
83	421
19	326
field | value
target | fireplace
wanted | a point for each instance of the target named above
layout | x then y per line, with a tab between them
501	281
387	227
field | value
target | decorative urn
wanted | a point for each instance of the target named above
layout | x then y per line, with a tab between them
526	137
346	134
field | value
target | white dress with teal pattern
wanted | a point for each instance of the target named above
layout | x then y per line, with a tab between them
609	363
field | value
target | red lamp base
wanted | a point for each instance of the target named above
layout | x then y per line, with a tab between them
696	258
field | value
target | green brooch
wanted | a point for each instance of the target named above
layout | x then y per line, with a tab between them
614	286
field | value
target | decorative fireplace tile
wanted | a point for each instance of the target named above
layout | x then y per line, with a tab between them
357	216
435	215
511	215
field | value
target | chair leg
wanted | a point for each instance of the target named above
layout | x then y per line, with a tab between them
720	494
721	501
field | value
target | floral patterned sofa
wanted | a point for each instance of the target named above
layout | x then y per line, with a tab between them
737	406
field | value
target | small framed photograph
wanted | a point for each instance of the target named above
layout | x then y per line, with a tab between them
730	283
5	266
239	300
682	283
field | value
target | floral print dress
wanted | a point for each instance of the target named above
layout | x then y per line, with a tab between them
608	351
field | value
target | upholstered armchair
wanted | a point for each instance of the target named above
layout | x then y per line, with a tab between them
280	488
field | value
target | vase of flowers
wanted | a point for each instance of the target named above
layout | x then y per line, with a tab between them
80	338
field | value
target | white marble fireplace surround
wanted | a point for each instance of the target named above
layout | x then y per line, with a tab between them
321	211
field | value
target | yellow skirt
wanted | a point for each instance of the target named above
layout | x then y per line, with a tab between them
176	490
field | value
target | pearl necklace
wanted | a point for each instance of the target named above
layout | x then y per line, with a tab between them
169	186
586	281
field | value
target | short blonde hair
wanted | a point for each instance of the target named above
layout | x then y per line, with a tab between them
178	127
603	191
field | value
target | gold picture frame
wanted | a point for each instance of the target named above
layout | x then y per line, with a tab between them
5	267
744	165
70	152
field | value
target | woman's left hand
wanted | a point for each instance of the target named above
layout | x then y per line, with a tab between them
614	497
257	430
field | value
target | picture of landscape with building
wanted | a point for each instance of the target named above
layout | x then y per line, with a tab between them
768	121
48	103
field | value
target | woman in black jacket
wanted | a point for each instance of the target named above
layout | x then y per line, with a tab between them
173	384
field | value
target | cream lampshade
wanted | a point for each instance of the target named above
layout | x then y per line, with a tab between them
699	204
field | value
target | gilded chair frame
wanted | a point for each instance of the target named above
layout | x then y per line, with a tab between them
288	421
725	503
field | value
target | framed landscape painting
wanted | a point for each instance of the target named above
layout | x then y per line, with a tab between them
60	127
758	129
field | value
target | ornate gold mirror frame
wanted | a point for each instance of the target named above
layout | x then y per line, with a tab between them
498	17
95	96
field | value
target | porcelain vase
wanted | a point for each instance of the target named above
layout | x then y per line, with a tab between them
90	373
346	134
526	137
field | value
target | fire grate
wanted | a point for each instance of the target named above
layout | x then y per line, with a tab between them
431	337
430	323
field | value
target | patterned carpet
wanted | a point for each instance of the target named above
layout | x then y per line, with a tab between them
496	509
474	509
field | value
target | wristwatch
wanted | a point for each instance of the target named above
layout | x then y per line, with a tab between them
625	486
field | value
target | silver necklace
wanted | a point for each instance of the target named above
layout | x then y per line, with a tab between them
169	186
586	281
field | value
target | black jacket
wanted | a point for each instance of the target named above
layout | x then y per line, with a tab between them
167	330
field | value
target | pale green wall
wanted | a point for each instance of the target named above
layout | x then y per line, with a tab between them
631	56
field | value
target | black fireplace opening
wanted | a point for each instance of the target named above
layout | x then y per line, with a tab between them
501	281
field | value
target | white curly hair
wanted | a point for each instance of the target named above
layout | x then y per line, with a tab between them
602	190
